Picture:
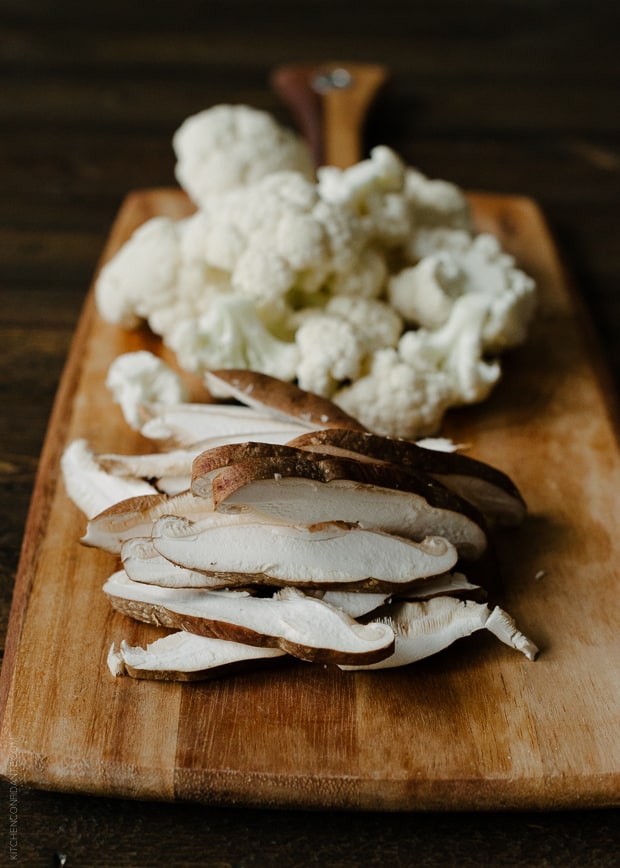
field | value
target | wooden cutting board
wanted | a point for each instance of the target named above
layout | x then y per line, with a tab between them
475	727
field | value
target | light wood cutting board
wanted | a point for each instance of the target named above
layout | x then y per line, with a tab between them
475	727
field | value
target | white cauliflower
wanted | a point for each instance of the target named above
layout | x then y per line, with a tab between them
229	146
371	189
372	192
155	277
425	294
330	352
335	340
469	303
434	202
142	276
394	200
140	378
396	399
376	324
456	351
383	172
231	335
278	236
366	284
429	240
509	292
366	280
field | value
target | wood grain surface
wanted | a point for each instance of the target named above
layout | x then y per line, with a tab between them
496	95
476	727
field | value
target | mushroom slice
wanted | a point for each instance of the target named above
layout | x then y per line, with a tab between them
355	603
89	486
143	563
327	555
172	485
374	496
489	489
171	472
154	465
184	425
168	472
300	625
425	628
187	657
209	463
279	399
451	584
134	517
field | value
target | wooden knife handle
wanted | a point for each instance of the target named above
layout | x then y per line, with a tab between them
330	103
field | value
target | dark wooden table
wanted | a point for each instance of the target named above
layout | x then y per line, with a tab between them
514	96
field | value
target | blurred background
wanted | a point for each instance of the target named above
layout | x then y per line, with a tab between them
511	96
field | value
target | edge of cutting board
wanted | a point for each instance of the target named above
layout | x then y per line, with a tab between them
364	788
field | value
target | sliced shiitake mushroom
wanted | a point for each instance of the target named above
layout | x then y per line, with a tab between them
425	628
300	625
489	489
302	489
184	656
281	399
327	555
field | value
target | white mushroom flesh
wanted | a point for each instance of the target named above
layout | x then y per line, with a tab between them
318	555
182	656
143	563
302	625
134	517
425	628
187	424
402	513
90	488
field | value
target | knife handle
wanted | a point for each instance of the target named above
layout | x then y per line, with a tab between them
330	103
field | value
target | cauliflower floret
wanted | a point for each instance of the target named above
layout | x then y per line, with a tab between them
229	146
376	324
142	276
455	350
509	292
365	279
159	276
197	286
231	335
429	240
211	237
424	293
330	352
395	399
289	275
408	390
383	172
372	190
434	202
263	275
141	377
277	236
390	220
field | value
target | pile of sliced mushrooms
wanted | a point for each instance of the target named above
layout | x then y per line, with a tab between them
277	527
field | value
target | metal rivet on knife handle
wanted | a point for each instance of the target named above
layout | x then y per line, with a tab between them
330	102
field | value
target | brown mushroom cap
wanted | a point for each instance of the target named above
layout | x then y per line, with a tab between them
485	486
295	486
282	399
